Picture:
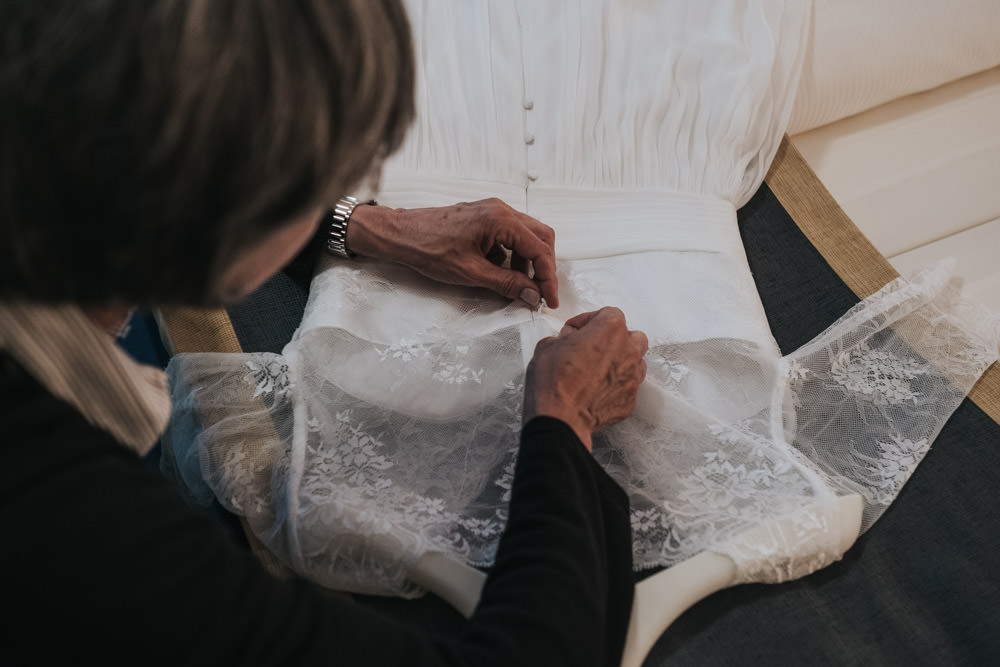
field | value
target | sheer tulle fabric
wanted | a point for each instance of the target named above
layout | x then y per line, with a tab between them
352	493
388	427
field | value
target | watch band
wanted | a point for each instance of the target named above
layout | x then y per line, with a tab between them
337	219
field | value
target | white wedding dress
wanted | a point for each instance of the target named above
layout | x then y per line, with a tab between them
388	427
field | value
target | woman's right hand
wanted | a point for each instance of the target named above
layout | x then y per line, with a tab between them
588	375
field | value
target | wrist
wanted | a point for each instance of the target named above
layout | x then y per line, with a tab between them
366	233
569	416
340	220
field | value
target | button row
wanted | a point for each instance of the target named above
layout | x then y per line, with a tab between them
529	138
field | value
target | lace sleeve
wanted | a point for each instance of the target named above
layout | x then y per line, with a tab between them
852	412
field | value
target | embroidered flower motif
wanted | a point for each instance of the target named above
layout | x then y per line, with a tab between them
722	487
449	368
511	410
718	482
731	434
268	376
428	507
404	350
356	457
482	527
647	520
893	466
443	360
673	369
506	480
796	372
878	375
458	373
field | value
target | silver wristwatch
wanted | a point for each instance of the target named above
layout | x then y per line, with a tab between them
337	218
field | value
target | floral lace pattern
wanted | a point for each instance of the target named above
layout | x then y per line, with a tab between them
356	458
350	493
877	375
737	488
666	362
447	364
268	375
899	457
888	465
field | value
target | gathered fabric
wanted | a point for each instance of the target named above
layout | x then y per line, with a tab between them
388	427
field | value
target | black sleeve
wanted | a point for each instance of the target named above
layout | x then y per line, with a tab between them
561	589
101	558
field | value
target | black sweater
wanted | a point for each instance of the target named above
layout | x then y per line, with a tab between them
101	559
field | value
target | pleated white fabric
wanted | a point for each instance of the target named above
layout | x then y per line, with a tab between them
388	427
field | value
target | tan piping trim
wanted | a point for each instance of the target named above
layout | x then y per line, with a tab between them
197	330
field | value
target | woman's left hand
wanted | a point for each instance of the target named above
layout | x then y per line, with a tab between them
465	244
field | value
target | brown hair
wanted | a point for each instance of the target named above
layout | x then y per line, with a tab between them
144	142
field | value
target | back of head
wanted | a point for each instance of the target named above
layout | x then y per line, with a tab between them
144	142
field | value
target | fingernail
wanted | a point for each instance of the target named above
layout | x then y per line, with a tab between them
530	297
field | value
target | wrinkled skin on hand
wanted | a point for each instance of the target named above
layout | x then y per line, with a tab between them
588	375
464	244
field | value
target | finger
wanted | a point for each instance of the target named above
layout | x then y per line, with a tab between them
639	341
512	284
537	227
609	315
566	330
578	321
547	282
541	230
524	243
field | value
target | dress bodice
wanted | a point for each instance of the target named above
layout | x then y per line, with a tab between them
634	96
